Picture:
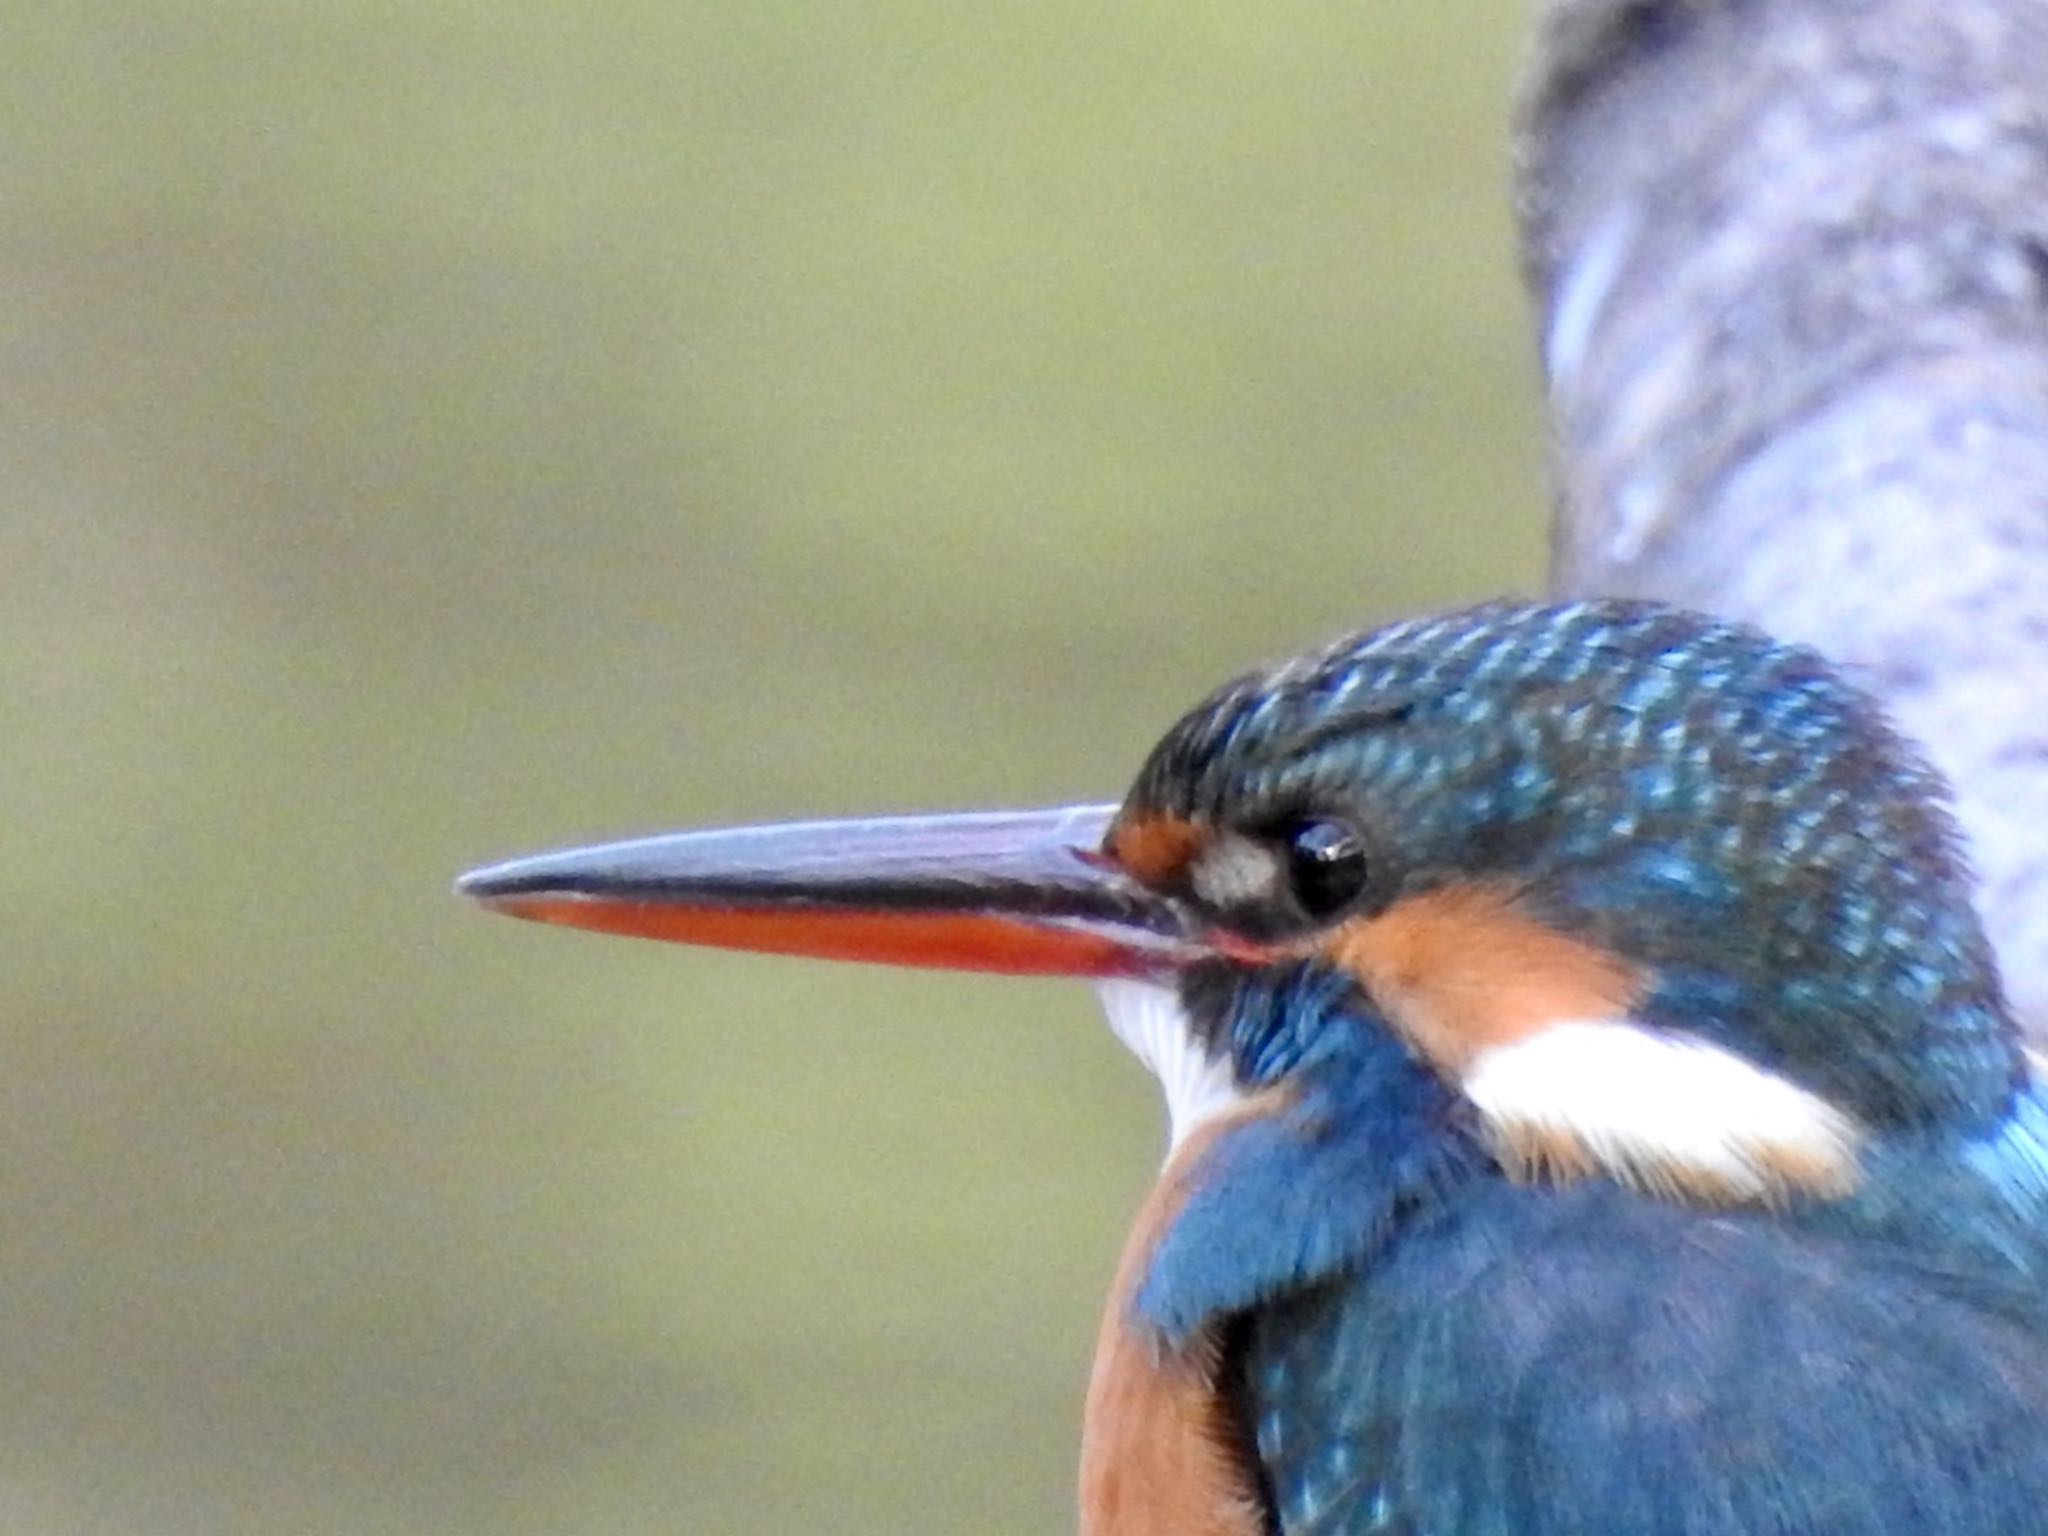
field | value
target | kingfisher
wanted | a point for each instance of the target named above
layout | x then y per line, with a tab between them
1593	1106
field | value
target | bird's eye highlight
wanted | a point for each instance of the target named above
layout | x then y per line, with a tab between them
1327	867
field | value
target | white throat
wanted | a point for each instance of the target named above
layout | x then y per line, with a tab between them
1151	1022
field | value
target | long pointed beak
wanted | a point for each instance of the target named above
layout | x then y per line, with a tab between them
1020	892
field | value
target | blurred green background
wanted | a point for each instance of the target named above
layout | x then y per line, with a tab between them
433	432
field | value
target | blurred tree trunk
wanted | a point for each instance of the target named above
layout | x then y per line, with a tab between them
1791	266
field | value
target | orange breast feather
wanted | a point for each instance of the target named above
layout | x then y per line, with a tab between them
1163	1450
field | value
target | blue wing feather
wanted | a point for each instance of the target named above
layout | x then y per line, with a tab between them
1581	1362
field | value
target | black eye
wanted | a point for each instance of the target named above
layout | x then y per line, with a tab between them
1326	867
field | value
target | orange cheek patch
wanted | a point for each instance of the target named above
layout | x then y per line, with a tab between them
1462	969
1156	850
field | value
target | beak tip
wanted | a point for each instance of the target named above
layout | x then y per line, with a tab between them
494	883
510	896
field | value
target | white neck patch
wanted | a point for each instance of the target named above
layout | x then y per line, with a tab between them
1151	1022
1667	1114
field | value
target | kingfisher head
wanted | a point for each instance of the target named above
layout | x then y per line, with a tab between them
1658	896
1552	892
